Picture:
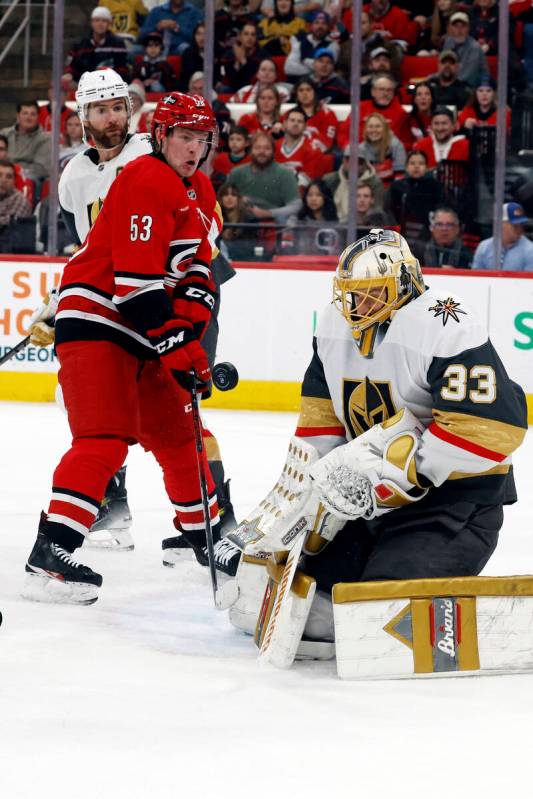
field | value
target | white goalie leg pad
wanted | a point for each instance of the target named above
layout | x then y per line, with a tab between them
448	627
288	510
284	612
252	580
40	588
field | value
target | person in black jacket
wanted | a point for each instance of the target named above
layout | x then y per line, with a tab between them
154	71
412	198
100	49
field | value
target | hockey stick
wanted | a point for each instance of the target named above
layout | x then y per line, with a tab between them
16	349
226	595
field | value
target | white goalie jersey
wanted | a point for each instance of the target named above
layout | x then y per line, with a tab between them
435	359
85	182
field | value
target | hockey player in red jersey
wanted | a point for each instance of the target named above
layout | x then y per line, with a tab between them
104	110
135	301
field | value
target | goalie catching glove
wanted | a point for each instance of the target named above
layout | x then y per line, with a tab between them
181	352
42	334
373	474
194	300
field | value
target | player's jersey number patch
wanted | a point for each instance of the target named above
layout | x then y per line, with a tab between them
140	228
457	387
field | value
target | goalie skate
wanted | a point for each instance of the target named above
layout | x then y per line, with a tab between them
52	575
111	528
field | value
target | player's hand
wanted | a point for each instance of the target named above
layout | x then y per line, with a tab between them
194	300
181	352
40	325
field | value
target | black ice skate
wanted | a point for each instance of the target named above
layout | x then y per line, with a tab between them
227	556
174	548
111	528
52	574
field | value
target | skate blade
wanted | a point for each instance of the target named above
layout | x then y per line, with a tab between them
118	540
171	557
40	588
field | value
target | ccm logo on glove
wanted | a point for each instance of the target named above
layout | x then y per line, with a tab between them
170	342
201	295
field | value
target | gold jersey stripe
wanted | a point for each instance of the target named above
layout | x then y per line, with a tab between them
520	585
501	469
316	412
488	433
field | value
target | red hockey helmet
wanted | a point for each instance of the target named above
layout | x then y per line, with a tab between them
190	112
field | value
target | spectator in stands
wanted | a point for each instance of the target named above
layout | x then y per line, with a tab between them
419	119
72	140
137	98
379	63
154	71
383	102
414	197
275	32
482	108
472	61
100	49
28	145
21	182
240	62
329	87
127	15
303	47
230	20
445	248
517	250
237	155
317	210
270	188
267	77
338	184
13	204
192	59
45	110
367	214
448	89
176	21
484	25
382	149
240	241
303	156
322	123
267	116
391	22
440	20
443	142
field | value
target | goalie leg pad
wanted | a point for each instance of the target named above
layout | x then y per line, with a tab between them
435	627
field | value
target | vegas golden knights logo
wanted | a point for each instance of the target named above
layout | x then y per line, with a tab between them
366	403
93	209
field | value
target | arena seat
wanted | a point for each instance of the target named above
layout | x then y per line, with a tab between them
417	67
492	61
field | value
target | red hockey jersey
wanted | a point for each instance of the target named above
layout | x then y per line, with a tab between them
305	160
154	228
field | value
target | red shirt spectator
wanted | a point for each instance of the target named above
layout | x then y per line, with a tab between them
322	124
385	103
267	115
482	109
391	22
296	151
442	144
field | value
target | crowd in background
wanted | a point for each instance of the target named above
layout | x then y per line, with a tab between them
282	94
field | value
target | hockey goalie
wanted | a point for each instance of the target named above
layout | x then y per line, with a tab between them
397	475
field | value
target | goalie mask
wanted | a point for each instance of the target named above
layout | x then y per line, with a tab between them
375	276
189	112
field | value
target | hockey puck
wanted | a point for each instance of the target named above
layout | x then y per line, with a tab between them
225	376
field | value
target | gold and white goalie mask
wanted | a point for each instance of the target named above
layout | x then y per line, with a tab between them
375	276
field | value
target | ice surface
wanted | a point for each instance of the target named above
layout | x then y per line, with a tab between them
151	693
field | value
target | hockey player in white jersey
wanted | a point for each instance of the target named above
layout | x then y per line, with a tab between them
409	420
104	109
